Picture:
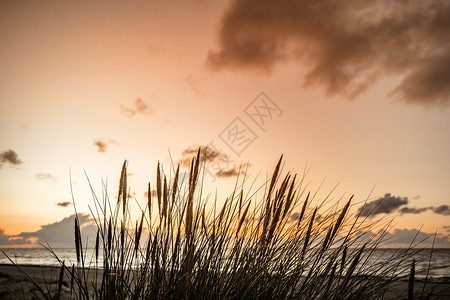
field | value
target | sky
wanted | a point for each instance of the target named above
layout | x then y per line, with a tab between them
355	92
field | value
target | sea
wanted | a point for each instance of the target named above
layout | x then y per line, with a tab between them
438	270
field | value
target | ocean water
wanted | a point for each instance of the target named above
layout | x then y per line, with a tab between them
439	265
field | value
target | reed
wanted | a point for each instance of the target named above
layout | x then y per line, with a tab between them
249	248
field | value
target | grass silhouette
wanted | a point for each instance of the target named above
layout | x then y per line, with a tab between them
250	248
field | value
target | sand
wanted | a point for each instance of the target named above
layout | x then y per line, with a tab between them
13	284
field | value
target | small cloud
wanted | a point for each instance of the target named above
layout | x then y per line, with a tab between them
207	154
44	176
102	145
140	107
232	172
413	210
384	205
63	204
11	157
217	163
442	210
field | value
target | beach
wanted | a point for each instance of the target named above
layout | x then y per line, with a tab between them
13	285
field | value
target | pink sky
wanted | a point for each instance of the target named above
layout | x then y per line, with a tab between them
359	92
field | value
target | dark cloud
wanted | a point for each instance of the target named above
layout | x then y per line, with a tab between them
389	204
63	204
442	210
139	107
10	240
384	205
343	46
102	145
218	163
232	172
406	236
413	210
207	155
61	234
44	176
403	238
11	157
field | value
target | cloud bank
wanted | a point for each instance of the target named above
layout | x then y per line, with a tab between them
389	204
343	46
58	235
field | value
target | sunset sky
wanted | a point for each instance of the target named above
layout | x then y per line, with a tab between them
358	92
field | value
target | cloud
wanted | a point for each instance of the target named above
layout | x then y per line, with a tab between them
102	145
389	204
44	176
207	154
61	234
411	210
11	157
404	238
217	163
140	107
442	210
384	205
9	240
63	204
232	172
343	46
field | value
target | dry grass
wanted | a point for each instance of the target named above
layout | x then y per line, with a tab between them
248	249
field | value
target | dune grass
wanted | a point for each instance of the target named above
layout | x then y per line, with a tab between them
186	246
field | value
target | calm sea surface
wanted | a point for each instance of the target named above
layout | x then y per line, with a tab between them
440	260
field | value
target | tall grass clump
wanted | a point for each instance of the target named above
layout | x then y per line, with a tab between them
282	245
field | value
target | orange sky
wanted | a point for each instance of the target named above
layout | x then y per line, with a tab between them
364	109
